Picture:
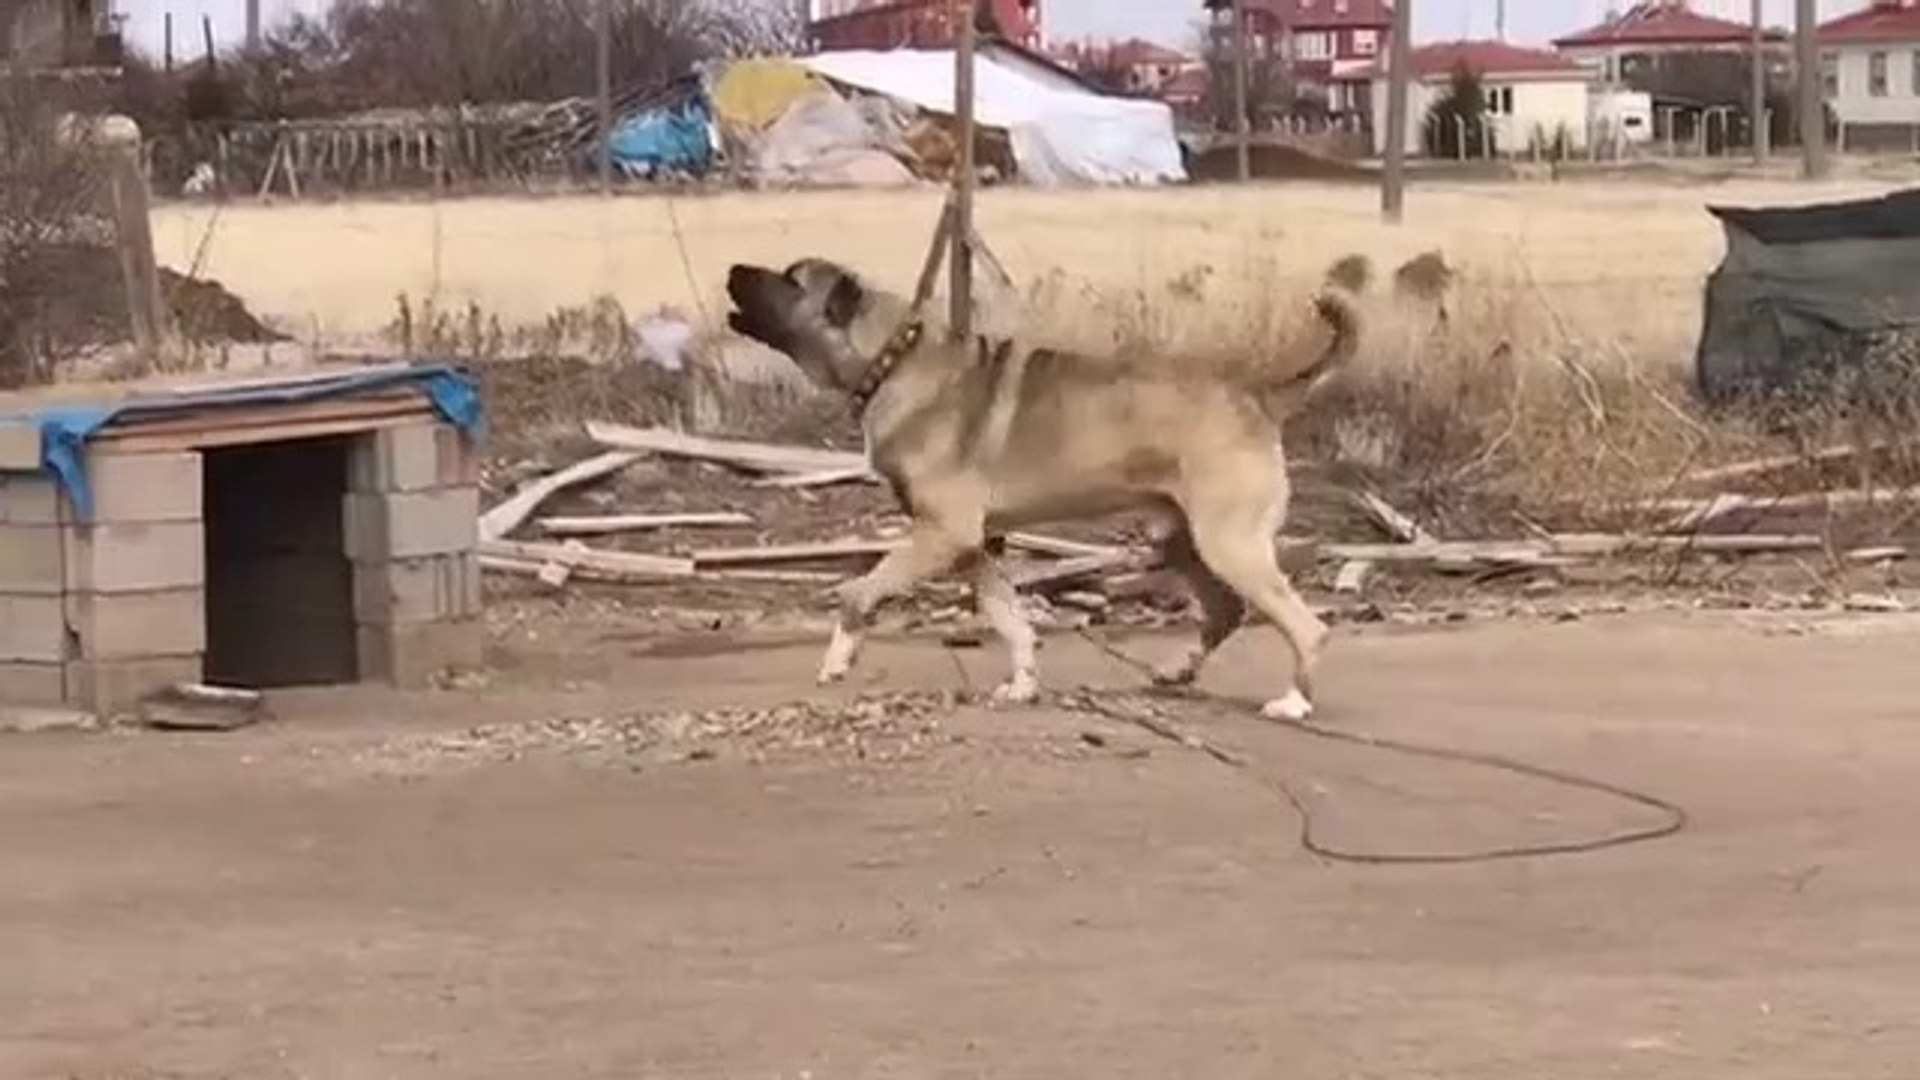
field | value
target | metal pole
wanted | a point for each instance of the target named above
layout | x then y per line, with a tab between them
1393	177
960	270
603	88
1500	20
1813	112
1757	97
1242	125
166	49
253	25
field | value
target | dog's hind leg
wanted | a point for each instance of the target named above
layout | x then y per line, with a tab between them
1221	609
929	551
1000	603
1234	520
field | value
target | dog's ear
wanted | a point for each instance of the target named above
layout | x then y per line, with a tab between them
844	301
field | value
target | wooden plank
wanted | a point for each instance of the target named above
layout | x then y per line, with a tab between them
230	417
1391	521
577	557
1747	470
509	515
824	478
619	523
759	457
1058	546
1066	570
775	554
247	436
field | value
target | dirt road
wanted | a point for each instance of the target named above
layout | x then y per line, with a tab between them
1031	894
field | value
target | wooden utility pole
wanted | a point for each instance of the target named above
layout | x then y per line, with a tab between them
960	225
253	25
1242	123
166	44
1757	92
603	87
1812	108
1393	174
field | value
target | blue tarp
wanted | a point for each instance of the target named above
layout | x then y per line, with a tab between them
673	137
64	431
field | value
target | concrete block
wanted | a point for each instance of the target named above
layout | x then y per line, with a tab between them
381	528
29	499
144	487
32	628
417	590
19	445
416	457
114	687
117	557
33	559
121	626
24	683
410	655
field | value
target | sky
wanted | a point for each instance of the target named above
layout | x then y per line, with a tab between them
1168	21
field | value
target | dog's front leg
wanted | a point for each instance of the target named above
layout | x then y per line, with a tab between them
1000	603
928	551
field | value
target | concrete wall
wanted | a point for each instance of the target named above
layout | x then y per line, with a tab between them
1855	104
96	615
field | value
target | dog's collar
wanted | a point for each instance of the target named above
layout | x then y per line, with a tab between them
903	341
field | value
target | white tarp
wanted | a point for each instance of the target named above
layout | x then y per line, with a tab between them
1059	136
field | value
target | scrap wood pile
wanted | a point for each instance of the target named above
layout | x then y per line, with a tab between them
1088	573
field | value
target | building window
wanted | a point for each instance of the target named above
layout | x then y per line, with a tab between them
1500	101
1313	46
1830	74
1366	42
1877	74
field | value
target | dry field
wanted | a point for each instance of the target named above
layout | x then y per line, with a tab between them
1621	262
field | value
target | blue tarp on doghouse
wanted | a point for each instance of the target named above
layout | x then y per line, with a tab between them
668	138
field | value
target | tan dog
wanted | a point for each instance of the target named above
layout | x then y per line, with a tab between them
983	436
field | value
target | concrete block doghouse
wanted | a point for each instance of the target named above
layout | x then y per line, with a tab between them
305	530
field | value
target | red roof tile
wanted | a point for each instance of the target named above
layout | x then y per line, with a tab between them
1893	20
1438	61
1327	14
1663	22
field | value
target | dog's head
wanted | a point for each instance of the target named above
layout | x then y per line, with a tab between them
819	314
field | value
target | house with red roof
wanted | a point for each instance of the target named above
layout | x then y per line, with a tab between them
914	24
1329	46
1531	94
1870	61
1142	67
1651	28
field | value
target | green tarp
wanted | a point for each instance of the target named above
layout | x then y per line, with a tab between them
1808	294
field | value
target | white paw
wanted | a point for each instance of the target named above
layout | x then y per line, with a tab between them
1017	691
1293	706
831	676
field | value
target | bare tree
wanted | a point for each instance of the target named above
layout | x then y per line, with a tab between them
52	233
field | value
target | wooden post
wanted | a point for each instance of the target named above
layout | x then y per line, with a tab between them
1757	91
253	25
1393	175
1242	124
1812	111
603	88
960	240
166	44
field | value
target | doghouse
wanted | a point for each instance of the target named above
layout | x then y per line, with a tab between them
302	530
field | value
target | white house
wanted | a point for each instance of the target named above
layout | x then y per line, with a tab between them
1870	64
1531	95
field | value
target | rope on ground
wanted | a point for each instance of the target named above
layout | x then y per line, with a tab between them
1148	717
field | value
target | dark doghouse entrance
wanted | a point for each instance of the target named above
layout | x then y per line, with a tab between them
279	584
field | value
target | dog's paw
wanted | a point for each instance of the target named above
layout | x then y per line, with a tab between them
1292	707
833	674
1016	691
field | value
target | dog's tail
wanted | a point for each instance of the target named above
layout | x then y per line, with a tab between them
1336	309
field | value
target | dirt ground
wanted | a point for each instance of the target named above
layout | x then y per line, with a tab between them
610	859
